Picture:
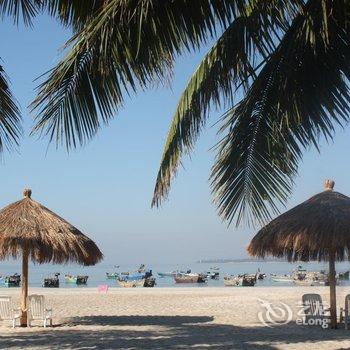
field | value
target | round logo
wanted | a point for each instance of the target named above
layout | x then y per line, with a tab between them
274	313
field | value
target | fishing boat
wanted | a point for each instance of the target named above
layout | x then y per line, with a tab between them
213	275
282	278
167	274
312	278
82	279
150	282
239	281
321	278
70	279
112	275
52	282
13	281
141	269
76	279
186	278
137	279
344	276
261	276
131	283
253	277
131	280
231	281
190	278
248	280
202	278
307	282
297	274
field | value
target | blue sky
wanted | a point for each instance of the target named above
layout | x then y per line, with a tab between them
105	188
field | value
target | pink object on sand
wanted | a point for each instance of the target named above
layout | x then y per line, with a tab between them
102	288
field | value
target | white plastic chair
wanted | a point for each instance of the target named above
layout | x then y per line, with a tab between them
346	312
37	310
7	312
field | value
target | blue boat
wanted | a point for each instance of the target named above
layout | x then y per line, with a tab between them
132	277
166	274
112	275
137	279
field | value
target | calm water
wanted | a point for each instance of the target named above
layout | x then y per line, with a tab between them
97	274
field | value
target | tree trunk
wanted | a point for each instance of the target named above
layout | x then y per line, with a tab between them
332	285
24	282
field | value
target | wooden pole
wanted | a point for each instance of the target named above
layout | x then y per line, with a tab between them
332	285
24	281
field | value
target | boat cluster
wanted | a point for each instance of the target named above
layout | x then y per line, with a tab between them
142	277
50	282
192	277
245	280
12	281
301	277
54	282
137	278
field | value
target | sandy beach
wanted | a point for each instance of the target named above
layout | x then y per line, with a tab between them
171	318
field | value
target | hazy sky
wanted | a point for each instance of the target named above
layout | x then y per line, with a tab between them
105	188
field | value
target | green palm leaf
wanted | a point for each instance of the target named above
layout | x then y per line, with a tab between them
289	60
228	65
20	9
299	95
126	46
10	120
73	13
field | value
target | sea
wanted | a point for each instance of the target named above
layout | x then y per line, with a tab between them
97	274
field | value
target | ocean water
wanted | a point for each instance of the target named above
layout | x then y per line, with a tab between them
97	274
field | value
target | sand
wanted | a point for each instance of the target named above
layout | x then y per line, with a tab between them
173	318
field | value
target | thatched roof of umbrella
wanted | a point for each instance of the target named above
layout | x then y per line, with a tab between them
30	230
317	229
309	230
48	237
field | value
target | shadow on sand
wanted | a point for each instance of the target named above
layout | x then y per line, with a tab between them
164	332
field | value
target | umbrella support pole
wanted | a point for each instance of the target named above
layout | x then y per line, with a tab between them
24	293
332	284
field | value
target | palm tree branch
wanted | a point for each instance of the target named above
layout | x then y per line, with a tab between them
299	95
10	118
128	44
20	9
226	67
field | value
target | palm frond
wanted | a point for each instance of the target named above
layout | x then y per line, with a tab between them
129	44
20	9
299	95
10	119
73	13
229	64
289	59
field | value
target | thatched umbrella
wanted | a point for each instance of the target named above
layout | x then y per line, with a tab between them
30	230
317	229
